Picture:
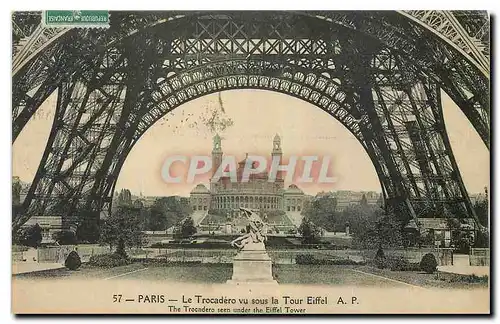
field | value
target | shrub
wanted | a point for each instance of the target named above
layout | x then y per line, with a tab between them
380	260
163	260
397	264
345	262
428	263
274	270
401	264
109	260
64	237
31	236
203	245
73	261
310	259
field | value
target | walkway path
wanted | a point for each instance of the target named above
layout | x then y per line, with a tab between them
466	270
26	267
461	265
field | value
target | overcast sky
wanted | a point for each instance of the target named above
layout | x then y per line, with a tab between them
257	116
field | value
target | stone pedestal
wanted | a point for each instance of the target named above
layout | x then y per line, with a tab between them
252	265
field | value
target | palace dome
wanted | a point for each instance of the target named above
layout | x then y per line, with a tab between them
200	188
293	189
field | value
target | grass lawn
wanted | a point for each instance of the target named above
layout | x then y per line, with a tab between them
435	280
335	275
327	275
84	272
214	273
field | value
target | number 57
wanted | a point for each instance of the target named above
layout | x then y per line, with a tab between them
117	298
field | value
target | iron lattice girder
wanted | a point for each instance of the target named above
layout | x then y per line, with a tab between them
81	133
180	88
457	75
73	54
317	89
78	169
249	33
471	24
467	39
411	114
178	92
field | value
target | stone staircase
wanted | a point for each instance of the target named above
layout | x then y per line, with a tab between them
198	216
295	218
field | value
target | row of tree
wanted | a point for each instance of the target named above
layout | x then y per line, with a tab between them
372	226
164	213
122	229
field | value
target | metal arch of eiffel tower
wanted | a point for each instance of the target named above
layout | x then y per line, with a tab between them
378	73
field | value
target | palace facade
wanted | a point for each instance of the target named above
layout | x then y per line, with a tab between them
256	193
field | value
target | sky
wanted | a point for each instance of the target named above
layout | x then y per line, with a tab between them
256	115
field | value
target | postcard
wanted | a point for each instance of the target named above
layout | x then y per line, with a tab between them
250	162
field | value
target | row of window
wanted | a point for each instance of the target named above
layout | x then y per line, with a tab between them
234	205
247	201
246	205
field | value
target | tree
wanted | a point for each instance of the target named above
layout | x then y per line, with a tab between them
360	217
157	220
382	230
380	201
166	212
380	258
426	238
124	198
88	229
482	240
16	192
187	228
31	236
389	231
482	211
310	233
138	204
364	201
463	242
122	229
16	212
16	199
322	211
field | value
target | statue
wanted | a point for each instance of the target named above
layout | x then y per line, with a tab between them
255	236
252	264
